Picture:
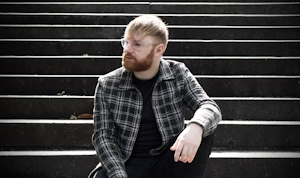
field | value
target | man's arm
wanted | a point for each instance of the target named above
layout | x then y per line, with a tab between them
207	113
205	120
104	138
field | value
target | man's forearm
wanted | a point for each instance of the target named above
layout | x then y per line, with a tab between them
208	116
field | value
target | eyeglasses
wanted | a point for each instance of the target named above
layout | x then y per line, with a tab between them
136	45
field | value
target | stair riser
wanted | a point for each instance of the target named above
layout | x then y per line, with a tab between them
78	136
100	66
209	33
80	166
47	108
104	48
177	20
215	87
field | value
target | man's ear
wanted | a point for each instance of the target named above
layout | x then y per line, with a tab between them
160	49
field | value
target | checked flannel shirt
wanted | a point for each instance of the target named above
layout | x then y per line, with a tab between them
118	107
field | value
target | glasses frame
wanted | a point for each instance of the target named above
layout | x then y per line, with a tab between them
135	47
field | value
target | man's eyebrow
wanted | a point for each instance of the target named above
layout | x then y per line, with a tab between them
136	40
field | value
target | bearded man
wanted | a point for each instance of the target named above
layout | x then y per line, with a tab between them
139	124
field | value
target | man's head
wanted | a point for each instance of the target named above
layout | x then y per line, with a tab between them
148	25
145	40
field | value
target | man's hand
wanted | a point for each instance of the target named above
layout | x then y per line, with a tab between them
187	143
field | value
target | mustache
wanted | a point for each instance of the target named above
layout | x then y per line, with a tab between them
128	55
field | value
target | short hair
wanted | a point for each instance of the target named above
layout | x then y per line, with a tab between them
148	25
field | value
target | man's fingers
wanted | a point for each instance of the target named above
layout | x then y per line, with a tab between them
189	155
178	152
192	156
184	154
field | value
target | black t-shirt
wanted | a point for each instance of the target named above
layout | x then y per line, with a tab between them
148	135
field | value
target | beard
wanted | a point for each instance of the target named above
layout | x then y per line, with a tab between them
135	65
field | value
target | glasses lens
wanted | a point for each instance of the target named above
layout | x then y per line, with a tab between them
123	42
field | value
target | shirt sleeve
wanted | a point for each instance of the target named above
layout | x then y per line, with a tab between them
104	138
207	113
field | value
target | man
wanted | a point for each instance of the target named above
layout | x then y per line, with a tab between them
139	128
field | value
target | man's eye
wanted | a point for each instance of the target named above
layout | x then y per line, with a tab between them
137	45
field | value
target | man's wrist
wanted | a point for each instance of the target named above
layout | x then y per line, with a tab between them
197	125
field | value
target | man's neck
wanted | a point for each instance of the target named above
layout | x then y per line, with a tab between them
150	73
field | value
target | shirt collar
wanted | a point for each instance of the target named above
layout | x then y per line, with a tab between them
165	71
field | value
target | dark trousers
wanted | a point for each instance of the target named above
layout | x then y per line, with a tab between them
163	165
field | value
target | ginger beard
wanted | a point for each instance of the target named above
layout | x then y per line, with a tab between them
135	65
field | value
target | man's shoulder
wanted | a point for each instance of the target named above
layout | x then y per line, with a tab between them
174	66
114	75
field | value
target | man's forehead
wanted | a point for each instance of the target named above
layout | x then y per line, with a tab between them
134	36
137	37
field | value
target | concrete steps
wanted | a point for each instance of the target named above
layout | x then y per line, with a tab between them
121	19
76	164
280	66
233	108
46	134
177	47
208	32
222	86
245	54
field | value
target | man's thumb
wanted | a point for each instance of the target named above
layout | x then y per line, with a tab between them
173	147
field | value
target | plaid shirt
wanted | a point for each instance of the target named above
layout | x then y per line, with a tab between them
118	108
